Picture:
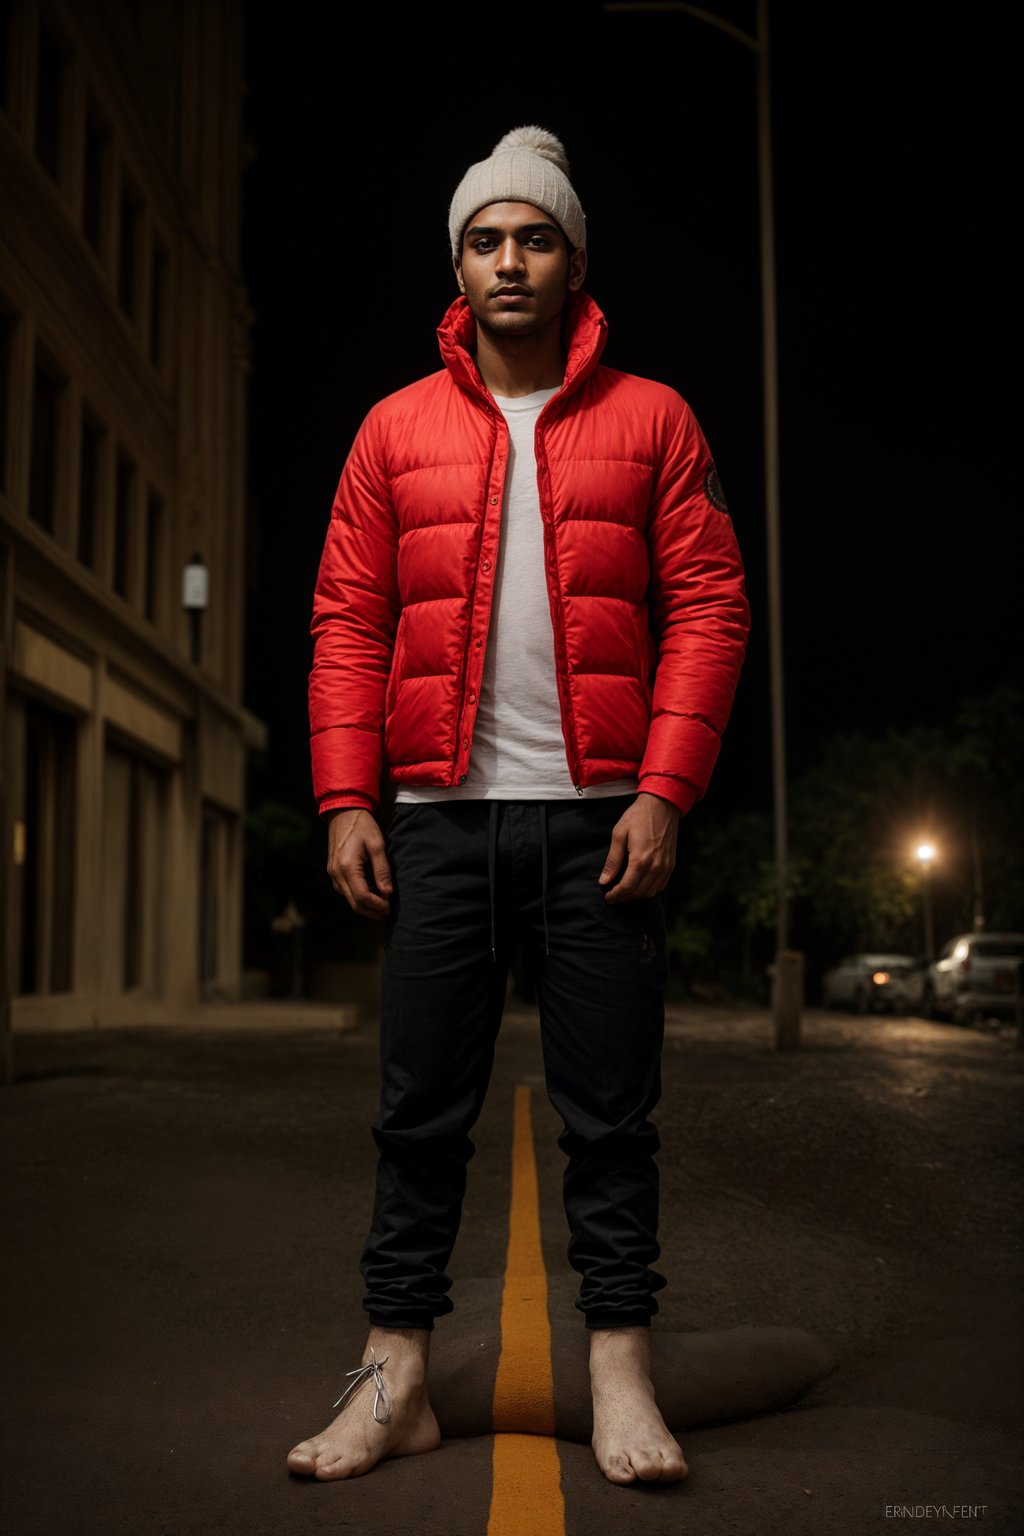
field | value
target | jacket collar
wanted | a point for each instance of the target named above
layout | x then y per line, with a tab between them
586	332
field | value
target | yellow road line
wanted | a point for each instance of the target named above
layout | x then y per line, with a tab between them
526	1498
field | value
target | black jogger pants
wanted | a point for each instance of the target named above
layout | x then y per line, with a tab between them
470	878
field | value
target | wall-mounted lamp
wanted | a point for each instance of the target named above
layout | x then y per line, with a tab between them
195	597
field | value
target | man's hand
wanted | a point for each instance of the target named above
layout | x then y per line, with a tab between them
647	831
354	841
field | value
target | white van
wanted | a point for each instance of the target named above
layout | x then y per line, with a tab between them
976	975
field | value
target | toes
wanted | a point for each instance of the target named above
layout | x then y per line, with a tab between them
618	1470
302	1457
331	1471
664	1466
675	1468
646	1464
652	1464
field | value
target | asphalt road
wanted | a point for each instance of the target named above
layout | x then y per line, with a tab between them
183	1213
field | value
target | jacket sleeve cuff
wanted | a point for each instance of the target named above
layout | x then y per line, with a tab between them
346	802
677	792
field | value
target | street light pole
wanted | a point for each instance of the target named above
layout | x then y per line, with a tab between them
926	858
770	392
788	983
978	921
787	989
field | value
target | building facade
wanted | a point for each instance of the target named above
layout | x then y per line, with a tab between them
124	353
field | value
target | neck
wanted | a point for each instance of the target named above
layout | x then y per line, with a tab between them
519	365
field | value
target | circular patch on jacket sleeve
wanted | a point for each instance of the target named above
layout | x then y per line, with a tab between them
713	489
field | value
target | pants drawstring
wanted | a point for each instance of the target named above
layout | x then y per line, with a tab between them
492	843
544	871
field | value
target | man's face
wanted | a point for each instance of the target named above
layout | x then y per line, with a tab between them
516	270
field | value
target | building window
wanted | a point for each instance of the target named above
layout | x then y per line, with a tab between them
51	75
209	894
124	507
217	852
134	860
89	487
131	953
6	361
5	57
96	181
48	398
47	840
158	304
130	251
154	554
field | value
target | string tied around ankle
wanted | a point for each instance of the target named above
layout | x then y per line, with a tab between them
381	1395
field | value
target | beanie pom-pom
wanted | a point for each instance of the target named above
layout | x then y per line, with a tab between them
539	140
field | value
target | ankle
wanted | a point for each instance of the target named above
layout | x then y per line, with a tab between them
620	1350
406	1351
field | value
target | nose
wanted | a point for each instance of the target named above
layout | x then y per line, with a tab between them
510	257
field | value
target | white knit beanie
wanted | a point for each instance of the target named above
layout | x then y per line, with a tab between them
528	165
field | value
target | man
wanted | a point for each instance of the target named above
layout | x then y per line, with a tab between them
530	604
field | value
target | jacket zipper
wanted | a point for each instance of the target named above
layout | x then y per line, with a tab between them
465	659
549	545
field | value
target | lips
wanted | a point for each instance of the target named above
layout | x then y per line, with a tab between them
509	294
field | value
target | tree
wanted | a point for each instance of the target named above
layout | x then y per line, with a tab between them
855	818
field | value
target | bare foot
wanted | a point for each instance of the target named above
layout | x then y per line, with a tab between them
356	1441
630	1440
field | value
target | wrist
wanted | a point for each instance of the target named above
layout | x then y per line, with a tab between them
669	805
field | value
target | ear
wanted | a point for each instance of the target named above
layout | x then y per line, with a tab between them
457	264
577	269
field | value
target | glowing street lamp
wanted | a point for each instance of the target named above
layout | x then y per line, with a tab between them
925	855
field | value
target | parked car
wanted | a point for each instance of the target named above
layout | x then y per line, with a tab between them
874	983
976	975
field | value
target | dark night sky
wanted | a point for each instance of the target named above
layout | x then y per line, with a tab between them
897	175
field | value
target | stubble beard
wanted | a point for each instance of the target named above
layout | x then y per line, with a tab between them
510	324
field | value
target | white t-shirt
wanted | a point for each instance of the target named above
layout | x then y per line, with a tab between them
518	747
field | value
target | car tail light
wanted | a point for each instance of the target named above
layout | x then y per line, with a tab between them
880	978
965	963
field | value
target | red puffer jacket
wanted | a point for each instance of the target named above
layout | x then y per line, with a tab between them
644	578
